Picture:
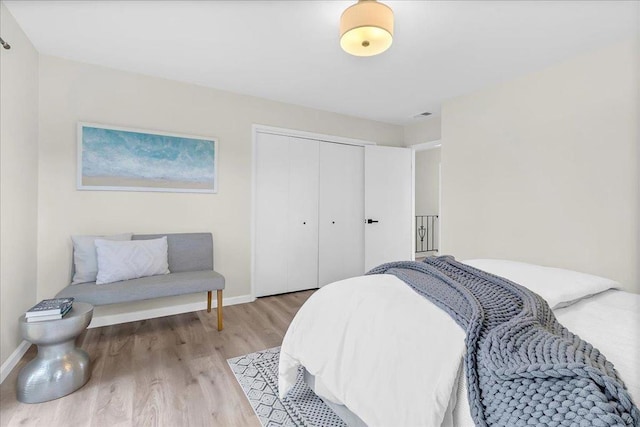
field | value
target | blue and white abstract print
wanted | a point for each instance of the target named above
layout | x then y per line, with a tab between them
134	160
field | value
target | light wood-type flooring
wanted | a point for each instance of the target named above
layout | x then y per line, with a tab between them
170	371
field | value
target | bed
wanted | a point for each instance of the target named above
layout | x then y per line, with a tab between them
381	355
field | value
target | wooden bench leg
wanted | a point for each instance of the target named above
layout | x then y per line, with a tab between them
219	309
209	302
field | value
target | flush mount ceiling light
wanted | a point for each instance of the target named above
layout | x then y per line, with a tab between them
366	28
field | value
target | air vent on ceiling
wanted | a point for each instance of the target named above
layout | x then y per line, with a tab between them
425	114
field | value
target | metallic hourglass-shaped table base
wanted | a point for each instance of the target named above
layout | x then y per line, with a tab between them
59	368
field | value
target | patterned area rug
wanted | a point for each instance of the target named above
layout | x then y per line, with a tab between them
257	374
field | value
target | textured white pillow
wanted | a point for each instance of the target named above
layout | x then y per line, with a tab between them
84	256
559	287
130	260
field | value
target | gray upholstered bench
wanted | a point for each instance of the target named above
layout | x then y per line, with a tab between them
191	266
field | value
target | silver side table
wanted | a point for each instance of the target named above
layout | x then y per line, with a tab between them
59	368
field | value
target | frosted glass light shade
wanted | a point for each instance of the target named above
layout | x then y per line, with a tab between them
366	28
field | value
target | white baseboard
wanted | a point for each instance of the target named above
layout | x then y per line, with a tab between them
13	360
115	319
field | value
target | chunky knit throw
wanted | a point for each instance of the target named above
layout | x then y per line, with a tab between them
522	366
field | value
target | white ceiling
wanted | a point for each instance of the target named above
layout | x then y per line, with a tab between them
288	50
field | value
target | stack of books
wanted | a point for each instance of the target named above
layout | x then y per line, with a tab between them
49	309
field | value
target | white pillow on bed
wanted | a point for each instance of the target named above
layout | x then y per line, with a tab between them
559	287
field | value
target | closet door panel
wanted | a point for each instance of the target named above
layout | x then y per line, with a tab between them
271	224
341	200
352	224
302	257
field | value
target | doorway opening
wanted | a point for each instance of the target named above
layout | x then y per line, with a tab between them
426	196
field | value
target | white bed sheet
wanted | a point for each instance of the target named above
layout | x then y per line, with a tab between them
609	320
341	338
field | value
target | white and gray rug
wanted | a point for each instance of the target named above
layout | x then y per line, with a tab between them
257	374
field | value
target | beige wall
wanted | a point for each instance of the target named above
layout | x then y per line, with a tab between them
72	92
427	182
423	130
545	168
18	179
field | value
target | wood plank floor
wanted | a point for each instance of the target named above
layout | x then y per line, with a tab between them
169	371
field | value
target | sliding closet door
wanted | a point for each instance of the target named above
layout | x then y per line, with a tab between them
271	218
341	237
302	255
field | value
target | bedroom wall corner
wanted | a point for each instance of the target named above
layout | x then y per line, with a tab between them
18	184
544	168
423	130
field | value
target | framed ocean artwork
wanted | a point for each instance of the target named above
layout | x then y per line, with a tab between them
123	159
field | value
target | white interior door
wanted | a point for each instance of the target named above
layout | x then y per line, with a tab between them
341	229
388	205
302	256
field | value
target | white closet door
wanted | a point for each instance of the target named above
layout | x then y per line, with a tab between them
302	252
341	237
271	206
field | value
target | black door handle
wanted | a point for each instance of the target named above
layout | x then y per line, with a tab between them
371	221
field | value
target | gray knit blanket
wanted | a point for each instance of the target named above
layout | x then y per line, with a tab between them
522	366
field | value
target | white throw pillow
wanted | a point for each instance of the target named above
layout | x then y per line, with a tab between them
130	260
84	256
559	287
